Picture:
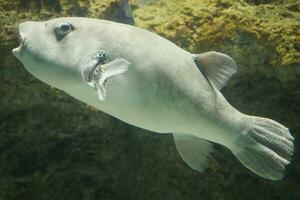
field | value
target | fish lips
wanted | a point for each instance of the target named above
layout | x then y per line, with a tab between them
22	40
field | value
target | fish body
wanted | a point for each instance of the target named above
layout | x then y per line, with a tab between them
149	82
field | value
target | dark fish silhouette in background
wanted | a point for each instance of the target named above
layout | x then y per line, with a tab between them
124	14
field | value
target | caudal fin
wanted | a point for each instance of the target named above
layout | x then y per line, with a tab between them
266	147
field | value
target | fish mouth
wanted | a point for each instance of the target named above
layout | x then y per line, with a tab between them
18	50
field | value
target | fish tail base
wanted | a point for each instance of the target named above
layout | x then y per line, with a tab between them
266	147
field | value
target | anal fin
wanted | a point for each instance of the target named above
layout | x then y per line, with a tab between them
196	152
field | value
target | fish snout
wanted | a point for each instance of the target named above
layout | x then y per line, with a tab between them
19	34
26	31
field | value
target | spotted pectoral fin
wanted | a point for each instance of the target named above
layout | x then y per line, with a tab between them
99	57
102	72
101	92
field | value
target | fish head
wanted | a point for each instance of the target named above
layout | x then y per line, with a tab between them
54	51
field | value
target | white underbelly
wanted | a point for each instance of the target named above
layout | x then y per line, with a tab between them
136	108
156	114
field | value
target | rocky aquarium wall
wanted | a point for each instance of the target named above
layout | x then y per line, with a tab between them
55	147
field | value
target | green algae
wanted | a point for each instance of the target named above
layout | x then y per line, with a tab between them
206	23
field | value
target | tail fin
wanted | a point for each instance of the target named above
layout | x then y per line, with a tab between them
266	148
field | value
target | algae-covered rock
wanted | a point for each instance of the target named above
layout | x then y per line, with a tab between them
14	12
223	24
54	147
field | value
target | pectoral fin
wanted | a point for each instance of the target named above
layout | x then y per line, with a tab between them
102	72
116	67
99	57
101	92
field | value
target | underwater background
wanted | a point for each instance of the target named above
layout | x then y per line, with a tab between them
55	147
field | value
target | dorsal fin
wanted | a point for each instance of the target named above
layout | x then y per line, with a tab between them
216	67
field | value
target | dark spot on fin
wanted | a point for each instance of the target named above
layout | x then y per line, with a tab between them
101	55
202	69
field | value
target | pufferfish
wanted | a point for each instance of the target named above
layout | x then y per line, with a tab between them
147	81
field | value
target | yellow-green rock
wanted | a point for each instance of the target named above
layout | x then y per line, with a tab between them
199	25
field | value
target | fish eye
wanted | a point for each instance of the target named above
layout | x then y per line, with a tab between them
62	29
